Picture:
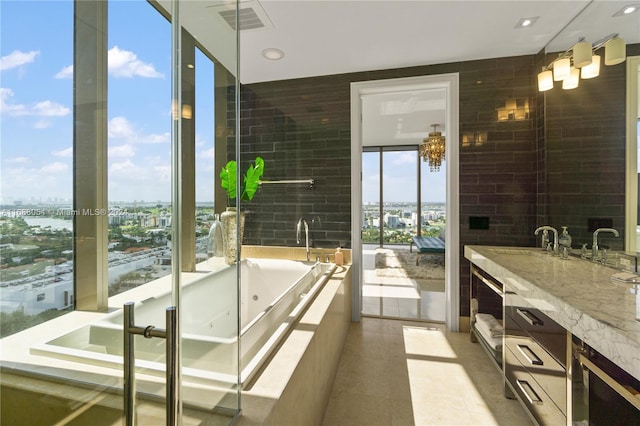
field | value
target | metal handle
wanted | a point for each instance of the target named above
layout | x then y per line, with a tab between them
530	355
490	284
130	330
529	317
527	390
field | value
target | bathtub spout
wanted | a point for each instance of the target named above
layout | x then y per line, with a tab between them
303	222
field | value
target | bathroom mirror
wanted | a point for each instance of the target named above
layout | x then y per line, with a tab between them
591	197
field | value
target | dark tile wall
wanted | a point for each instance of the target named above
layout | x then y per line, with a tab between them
520	178
585	154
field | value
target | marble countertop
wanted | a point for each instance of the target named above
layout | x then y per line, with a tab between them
578	294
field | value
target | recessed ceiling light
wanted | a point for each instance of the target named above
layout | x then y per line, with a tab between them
627	10
272	53
526	22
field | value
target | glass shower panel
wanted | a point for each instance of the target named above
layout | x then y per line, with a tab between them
100	147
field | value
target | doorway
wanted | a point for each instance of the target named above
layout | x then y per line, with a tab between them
448	83
402	198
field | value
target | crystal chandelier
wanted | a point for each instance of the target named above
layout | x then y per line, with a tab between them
432	149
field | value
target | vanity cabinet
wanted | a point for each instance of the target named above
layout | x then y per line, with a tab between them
571	345
535	351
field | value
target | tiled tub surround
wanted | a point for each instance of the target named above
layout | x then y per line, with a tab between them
578	294
309	354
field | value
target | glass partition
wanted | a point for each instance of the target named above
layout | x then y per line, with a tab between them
107	193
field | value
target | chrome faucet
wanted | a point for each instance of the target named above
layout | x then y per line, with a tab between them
302	221
594	247
555	235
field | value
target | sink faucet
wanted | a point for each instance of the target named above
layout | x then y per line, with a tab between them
594	247
303	222
555	235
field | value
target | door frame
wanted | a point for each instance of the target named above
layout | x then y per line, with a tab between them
449	82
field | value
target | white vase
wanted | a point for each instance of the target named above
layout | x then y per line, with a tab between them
229	222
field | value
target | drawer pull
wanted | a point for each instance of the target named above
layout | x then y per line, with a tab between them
529	317
530	355
527	390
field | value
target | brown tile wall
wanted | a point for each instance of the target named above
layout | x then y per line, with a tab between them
518	179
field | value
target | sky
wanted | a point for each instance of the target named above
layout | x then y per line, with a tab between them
399	178
36	104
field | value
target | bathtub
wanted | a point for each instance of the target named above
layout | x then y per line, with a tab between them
273	294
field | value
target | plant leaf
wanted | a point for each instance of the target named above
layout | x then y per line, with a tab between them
252	179
228	179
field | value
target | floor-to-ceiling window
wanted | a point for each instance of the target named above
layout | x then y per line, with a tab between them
397	283
139	167
36	190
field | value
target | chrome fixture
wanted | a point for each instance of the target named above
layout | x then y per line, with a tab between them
594	247
129	368
432	149
311	182
303	222
555	235
580	61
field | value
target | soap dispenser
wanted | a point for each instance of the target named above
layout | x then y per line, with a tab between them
564	240
339	256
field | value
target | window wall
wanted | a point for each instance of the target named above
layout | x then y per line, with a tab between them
392	208
36	168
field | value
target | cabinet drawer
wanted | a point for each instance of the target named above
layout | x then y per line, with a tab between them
540	327
535	399
548	373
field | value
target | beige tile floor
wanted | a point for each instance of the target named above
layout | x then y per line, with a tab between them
414	373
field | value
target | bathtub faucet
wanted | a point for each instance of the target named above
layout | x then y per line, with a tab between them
302	221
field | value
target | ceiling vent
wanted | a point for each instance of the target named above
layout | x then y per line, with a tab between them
251	15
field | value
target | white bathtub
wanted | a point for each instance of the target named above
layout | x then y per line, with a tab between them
273	294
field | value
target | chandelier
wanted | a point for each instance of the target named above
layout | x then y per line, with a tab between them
432	149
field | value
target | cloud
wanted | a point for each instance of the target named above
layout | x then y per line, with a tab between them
55	167
121	151
51	180
42	108
404	158
18	160
121	63
207	154
65	153
66	72
121	128
42	124
17	58
48	108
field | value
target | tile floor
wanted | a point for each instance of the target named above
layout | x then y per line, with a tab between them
396	372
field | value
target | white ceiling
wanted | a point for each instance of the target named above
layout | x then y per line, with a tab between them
323	37
333	37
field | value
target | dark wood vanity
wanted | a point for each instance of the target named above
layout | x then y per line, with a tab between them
570	351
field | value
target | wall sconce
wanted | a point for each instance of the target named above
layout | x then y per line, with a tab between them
475	138
514	109
580	61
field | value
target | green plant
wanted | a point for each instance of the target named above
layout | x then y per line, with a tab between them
250	181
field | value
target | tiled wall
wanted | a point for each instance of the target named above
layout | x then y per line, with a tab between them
585	154
302	129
